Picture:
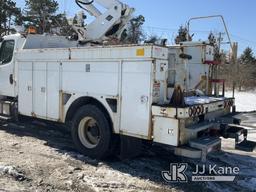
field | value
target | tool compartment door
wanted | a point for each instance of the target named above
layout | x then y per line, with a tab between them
39	89
53	90
136	100
25	88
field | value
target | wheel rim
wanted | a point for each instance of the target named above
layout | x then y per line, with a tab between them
89	132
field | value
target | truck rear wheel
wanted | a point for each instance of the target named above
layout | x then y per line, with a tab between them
91	132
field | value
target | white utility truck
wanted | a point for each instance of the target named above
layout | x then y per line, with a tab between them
114	96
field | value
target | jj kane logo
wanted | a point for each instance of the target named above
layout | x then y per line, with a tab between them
178	173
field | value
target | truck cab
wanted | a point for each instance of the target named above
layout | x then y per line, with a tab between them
9	46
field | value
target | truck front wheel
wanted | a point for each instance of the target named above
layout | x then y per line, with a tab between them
91	132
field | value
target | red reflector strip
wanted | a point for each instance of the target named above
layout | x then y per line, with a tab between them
212	62
217	80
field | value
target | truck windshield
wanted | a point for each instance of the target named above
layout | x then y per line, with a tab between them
6	51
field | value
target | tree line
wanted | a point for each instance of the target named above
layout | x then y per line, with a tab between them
45	17
244	74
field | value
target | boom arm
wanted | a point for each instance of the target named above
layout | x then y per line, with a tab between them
111	23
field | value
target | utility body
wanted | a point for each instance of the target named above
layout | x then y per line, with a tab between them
103	92
112	97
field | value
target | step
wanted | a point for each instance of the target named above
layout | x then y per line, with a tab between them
205	143
237	132
248	146
200	127
199	148
189	152
5	118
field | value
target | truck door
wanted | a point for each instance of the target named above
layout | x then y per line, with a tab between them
7	68
136	107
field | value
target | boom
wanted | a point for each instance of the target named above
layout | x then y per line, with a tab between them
110	24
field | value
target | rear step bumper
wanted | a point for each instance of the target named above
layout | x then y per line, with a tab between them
248	146
5	118
199	148
240	134
237	132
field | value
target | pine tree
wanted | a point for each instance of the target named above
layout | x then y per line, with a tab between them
135	32
247	69
41	14
9	15
183	35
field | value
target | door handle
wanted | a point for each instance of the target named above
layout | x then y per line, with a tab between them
143	99
43	89
29	88
11	79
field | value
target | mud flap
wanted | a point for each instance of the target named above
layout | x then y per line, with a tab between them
130	147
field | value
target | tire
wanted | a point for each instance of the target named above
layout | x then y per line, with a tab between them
91	132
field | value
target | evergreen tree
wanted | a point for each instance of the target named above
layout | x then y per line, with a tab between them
41	14
183	35
9	15
247	69
247	57
135	32
218	54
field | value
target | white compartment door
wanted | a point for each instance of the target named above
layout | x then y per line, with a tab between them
25	88
39	89
135	102
53	91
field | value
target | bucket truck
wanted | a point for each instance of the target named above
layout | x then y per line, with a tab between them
114	97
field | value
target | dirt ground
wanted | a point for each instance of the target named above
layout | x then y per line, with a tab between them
39	157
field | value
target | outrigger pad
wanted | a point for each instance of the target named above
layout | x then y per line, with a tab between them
248	146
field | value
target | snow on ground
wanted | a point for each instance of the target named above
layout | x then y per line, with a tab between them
245	101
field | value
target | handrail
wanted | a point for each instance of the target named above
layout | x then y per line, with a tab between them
208	17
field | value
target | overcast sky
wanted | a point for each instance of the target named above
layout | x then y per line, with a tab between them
163	17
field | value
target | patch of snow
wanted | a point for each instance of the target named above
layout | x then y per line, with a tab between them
11	171
194	100
245	101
